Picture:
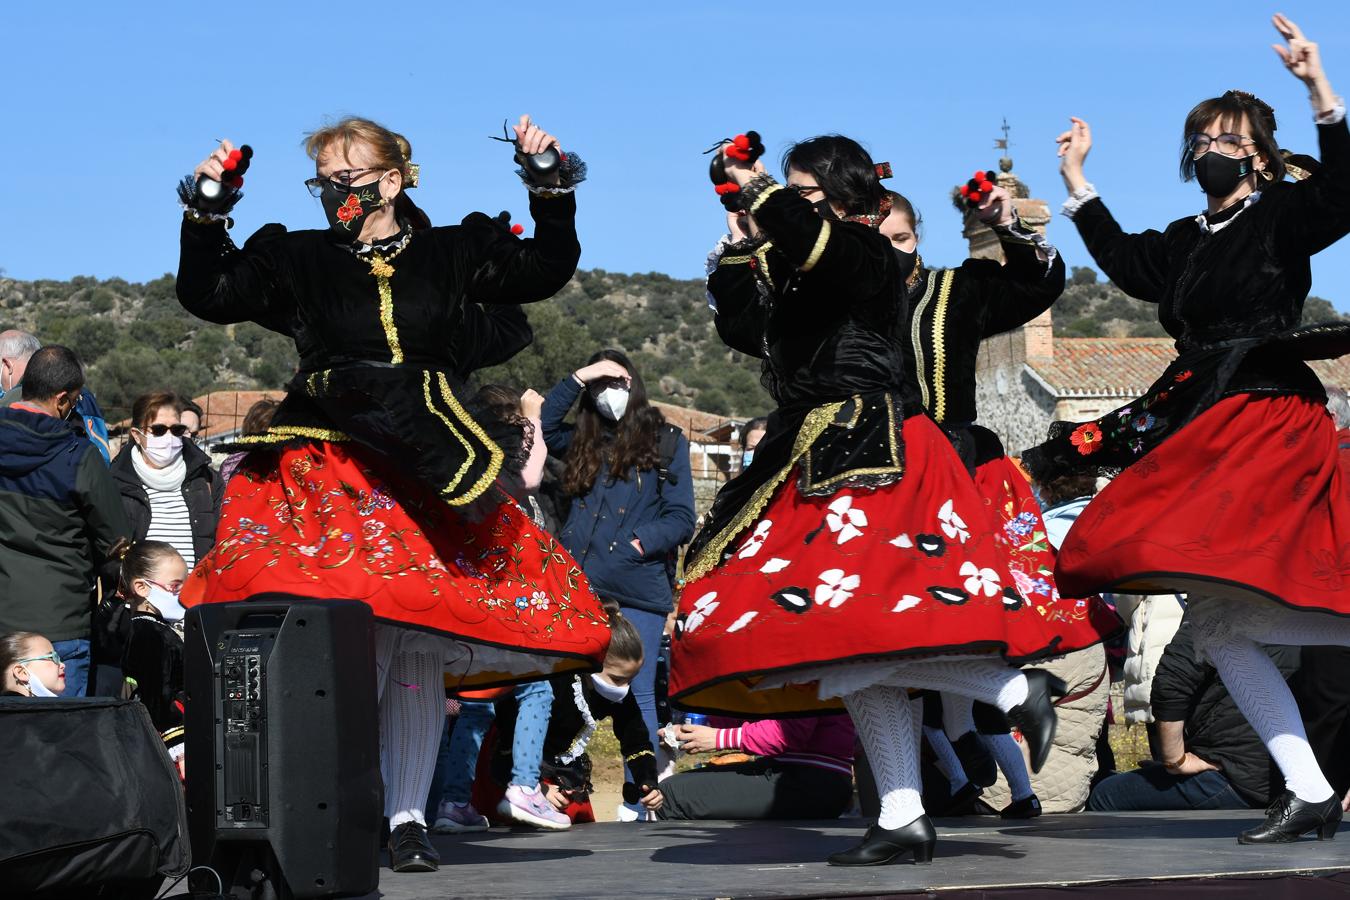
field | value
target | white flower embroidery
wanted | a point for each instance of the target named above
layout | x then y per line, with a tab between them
903	541
742	622
980	581
909	601
703	607
775	565
835	587
952	525
845	520
753	543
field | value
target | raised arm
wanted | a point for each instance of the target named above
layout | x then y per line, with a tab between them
1025	286
734	270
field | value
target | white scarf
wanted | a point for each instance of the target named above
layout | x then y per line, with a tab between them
169	478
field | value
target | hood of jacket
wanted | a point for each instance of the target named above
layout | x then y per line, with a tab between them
30	440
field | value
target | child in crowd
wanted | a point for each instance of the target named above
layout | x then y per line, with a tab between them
151	577
31	666
580	703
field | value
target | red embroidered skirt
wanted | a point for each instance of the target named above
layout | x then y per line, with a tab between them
317	521
1247	500
914	568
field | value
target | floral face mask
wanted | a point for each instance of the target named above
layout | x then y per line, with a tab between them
346	207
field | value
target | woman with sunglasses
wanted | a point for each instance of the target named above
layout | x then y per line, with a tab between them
849	562
1231	489
375	479
169	490
31	666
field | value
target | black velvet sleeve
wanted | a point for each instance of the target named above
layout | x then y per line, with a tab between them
1017	292
1135	263
1316	211
635	743
221	283
739	318
506	269
490	336
852	256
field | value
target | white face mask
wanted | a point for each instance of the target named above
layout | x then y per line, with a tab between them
611	692
36	686
612	402
166	603
163	450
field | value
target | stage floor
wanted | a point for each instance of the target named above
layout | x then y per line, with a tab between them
983	856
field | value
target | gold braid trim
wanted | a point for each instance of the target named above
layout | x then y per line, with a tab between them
819	248
939	346
279	434
495	454
765	195
387	317
813	426
734	260
916	339
895	468
762	254
633	756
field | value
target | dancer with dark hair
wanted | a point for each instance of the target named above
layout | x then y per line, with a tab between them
374	479
1231	489
849	563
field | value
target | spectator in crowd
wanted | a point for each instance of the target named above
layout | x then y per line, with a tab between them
580	703
1210	758
152	576
59	513
16	348
751	434
169	490
31	666
190	414
256	421
628	472
805	770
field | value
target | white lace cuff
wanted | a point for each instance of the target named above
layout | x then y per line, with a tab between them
1333	116
1077	199
1019	233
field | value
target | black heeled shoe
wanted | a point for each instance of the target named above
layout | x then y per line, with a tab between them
886	845
411	851
1026	808
1289	818
1035	716
976	760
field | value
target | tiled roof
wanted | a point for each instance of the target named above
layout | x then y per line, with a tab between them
696	424
1125	367
224	411
1104	367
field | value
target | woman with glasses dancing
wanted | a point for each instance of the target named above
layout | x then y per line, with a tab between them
850	561
375	481
1231	489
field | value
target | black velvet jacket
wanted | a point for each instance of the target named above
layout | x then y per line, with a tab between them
1231	298
952	310
384	335
820	303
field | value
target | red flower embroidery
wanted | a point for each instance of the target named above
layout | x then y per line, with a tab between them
1182	376
1087	438
350	210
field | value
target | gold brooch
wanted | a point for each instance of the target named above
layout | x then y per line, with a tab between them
380	268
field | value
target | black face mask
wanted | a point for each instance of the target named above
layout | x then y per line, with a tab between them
1220	175
906	260
826	211
347	208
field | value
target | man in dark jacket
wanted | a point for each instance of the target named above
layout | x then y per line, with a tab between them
60	513
1212	759
16	349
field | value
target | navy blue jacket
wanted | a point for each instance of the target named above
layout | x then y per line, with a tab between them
60	514
601	525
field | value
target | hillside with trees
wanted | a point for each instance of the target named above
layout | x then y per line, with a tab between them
135	337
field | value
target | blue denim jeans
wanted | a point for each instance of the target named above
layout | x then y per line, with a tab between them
75	654
1151	787
456	765
650	627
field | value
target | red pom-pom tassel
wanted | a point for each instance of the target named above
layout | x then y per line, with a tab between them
986	186
976	197
741	141
517	228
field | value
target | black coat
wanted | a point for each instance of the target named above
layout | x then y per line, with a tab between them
203	489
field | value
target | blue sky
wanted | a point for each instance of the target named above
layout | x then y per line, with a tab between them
106	107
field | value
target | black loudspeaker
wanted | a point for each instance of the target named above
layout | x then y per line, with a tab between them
283	764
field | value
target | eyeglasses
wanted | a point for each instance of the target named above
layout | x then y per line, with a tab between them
341	181
804	189
53	656
159	429
1228	144
173	587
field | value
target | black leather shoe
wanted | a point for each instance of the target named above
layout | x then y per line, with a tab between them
881	845
410	851
1026	808
975	759
1035	716
1289	818
962	803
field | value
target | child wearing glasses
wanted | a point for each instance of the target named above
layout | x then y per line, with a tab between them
31	665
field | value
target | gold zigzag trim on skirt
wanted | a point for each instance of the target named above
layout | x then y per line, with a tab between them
280	434
813	426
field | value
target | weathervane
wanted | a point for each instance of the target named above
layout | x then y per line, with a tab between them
1004	164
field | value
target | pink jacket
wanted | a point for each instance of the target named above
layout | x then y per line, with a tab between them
822	741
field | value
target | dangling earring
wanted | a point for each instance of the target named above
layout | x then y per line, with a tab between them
1266	175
